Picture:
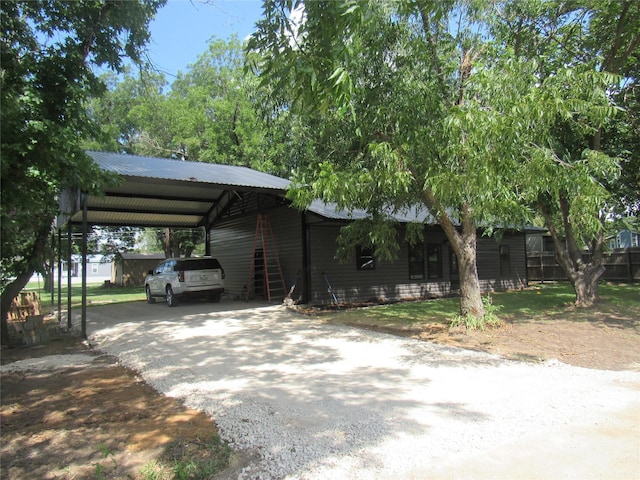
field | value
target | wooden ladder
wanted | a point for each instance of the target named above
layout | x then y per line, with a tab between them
265	273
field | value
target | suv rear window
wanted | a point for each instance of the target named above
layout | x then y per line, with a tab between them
198	264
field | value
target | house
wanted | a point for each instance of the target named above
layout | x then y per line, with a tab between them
131	268
98	268
624	239
227	202
306	247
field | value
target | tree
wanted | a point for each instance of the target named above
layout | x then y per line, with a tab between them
418	105
48	50
117	111
207	115
579	189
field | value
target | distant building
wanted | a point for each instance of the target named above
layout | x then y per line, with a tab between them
131	268
625	239
98	270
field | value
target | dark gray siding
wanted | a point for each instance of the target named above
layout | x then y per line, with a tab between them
389	281
232	240
512	275
232	243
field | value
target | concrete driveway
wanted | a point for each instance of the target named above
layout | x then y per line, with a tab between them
307	400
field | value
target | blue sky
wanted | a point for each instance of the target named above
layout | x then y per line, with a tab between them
181	30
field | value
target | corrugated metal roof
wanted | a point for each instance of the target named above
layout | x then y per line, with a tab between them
417	213
162	168
174	193
143	256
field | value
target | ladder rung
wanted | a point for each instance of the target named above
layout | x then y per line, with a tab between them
270	281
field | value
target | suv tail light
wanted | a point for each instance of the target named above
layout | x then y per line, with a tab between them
222	270
181	276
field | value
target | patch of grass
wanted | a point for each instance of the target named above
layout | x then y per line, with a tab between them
189	460
97	294
539	302
543	299
432	311
621	294
552	301
100	471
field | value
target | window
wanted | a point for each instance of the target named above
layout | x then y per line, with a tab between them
635	238
94	268
416	261
365	259
505	261
434	260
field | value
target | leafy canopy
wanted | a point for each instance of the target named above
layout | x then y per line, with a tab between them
417	102
48	53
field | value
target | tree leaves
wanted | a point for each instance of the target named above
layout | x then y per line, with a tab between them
527	92
47	52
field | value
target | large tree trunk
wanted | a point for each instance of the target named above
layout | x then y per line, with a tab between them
584	276
10	292
464	245
470	293
588	276
14	288
585	285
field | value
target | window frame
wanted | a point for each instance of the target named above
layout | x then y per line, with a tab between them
365	256
437	272
416	262
504	254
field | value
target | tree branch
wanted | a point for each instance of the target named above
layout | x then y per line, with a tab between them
437	209
426	26
87	44
572	244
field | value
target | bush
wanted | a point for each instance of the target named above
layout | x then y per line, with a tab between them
470	322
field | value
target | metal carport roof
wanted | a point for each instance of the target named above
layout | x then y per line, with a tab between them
158	192
169	193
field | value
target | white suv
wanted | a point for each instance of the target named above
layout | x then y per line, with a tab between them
180	277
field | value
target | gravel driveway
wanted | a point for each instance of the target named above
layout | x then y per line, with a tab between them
314	401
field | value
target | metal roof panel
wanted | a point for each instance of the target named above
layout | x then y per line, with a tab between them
163	168
416	213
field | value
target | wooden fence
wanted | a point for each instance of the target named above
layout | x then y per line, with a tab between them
620	265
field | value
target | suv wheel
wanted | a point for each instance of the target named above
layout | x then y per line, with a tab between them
150	299
215	297
172	301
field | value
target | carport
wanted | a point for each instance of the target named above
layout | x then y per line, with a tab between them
158	192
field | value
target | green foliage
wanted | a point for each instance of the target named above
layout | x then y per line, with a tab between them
48	50
470	322
99	472
486	113
585	56
178	242
212	113
197	460
120	109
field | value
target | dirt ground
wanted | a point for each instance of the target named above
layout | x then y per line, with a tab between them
603	341
104	422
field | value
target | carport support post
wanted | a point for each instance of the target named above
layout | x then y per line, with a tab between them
84	266
69	252
52	269
59	281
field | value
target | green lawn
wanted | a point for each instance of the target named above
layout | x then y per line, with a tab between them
97	294
539	302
